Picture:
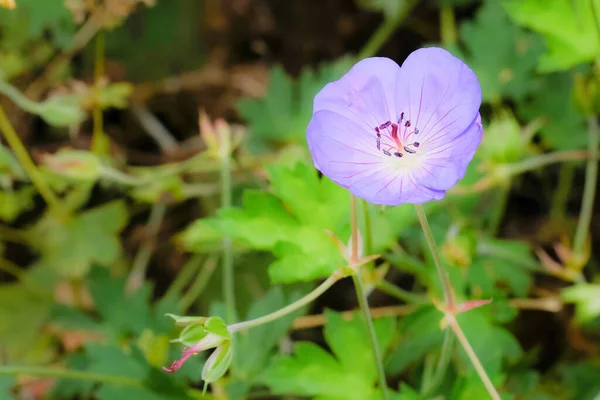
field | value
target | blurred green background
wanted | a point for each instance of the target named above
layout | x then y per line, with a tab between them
117	207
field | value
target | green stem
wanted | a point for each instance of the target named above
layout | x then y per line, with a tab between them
491	389
449	304
543	160
500	208
385	30
401	294
199	283
23	156
442	364
448	25
561	194
100	142
184	276
226	194
363	302
142	258
318	291
366	312
589	190
368	229
18	98
446	285
71	374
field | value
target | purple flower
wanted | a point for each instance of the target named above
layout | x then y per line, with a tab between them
395	135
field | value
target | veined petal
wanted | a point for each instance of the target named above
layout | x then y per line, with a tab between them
439	94
342	149
363	94
443	166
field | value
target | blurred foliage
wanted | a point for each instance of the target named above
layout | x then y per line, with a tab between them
86	283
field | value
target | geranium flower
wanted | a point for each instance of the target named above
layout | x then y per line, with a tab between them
395	135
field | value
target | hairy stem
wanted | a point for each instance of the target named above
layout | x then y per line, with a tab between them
448	25
589	191
363	302
561	194
473	357
401	294
385	30
446	285
23	156
442	364
449	304
319	290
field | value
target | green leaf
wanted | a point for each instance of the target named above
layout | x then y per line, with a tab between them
312	371
504	63
586	298
569	27
33	19
13	203
284	112
582	379
70	245
292	221
254	347
552	100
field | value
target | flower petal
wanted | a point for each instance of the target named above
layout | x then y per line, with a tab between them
341	149
445	165
438	93
363	94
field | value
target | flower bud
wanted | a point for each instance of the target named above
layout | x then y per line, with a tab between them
502	141
218	363
81	165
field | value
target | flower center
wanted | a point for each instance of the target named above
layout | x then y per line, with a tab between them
388	140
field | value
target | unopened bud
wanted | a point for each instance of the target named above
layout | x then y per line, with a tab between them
77	164
218	363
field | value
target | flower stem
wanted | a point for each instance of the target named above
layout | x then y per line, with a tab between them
319	290
384	31
401	294
449	304
589	190
368	228
226	189
23	156
363	302
100	142
561	194
442	364
448	25
142	258
446	285
473	357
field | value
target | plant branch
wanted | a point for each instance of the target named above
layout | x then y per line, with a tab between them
226	195
28	165
589	190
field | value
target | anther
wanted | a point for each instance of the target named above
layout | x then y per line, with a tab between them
416	131
387	153
378	144
385	125
378	134
377	130
409	150
407	124
416	144
398	154
401	117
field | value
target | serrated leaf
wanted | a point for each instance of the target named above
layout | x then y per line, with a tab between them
13	203
284	112
551	99
504	63
312	371
71	245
